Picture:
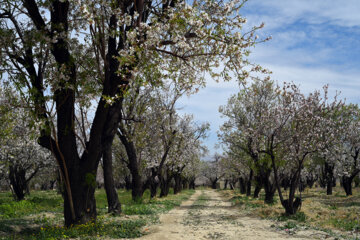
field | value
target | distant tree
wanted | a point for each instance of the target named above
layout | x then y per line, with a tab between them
212	170
21	157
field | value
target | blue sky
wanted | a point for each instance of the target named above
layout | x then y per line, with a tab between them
314	42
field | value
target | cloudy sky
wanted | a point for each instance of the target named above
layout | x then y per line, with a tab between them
314	42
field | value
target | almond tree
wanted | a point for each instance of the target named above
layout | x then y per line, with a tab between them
187	149
254	127
348	166
21	157
303	136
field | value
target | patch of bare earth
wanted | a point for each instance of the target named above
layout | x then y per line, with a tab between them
207	215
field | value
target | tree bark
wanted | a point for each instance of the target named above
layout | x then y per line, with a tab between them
242	185
226	183
137	184
17	181
347	185
329	176
192	183
177	187
214	183
127	180
153	183
258	186
114	205
164	185
248	187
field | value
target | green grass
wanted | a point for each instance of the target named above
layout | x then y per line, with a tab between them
246	201
346	224
37	202
299	217
40	216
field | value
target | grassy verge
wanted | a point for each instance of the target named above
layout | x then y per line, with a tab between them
40	216
333	214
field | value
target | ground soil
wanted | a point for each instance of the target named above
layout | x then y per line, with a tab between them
209	215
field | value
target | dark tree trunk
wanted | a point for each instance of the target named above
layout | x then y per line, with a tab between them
257	191
329	187
127	180
133	165
185	183
258	186
226	183
347	185
165	186
17	181
248	187
310	182
177	187
153	183
329	177
232	184
291	207
357	181
242	186
114	205
192	184
269	188
214	183
292	204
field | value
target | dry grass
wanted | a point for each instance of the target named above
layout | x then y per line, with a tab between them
336	212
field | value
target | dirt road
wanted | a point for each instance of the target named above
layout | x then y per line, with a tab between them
207	215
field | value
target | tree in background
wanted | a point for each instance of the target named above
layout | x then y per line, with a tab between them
21	157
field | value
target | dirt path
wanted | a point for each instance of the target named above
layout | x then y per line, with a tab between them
206	215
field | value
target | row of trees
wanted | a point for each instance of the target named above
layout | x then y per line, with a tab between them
283	139
154	146
67	58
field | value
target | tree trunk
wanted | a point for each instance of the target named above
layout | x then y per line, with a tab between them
17	181
127	180
226	183
133	165
269	188
165	186
185	183
357	181
83	196
329	177
291	207
214	183
114	205
248	187
329	187
347	185
177	187
153	183
192	184
292	204
242	186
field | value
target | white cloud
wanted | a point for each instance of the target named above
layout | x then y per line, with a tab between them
279	12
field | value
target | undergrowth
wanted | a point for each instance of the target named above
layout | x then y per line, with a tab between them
40	216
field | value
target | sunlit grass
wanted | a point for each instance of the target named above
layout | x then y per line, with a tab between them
40	216
334	212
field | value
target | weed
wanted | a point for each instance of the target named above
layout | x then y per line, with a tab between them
299	216
346	224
